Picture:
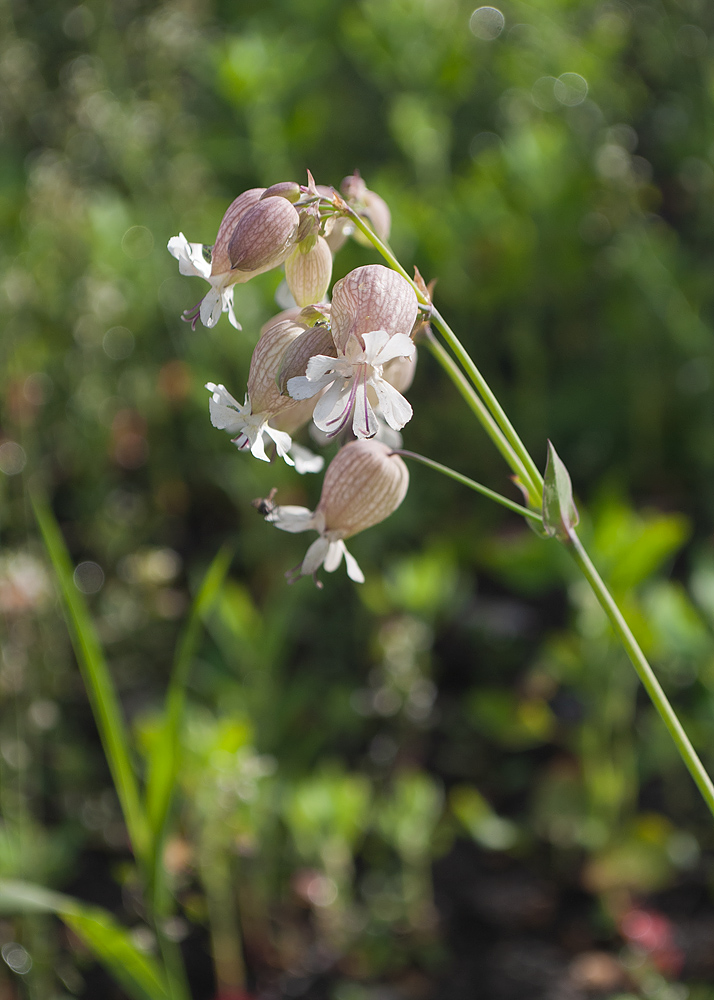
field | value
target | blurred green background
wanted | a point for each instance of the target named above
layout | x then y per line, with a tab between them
411	788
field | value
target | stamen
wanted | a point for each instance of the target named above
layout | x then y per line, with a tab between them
366	412
242	441
344	417
192	315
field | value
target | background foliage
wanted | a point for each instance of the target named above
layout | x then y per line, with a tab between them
466	708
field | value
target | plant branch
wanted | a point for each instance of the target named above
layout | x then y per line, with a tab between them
644	670
472	485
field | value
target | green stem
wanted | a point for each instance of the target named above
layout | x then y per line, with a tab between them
472	485
506	439
526	468
491	402
476	404
644	670
174	968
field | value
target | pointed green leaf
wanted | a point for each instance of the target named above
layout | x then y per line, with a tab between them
560	515
97	679
164	760
138	974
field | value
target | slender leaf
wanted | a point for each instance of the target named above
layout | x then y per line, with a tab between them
97	680
137	973
164	761
560	514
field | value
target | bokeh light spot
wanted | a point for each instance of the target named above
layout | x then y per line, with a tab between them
118	343
570	89
89	577
137	242
12	458
17	957
487	23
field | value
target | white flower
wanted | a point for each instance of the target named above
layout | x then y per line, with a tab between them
220	297
247	429
354	377
363	485
328	550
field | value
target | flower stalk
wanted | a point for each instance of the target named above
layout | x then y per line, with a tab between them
507	440
472	485
644	671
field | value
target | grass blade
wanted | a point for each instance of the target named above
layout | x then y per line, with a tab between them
97	680
137	973
164	759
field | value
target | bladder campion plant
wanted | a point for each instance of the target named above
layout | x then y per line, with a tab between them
345	364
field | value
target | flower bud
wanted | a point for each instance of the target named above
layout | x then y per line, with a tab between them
363	485
369	205
263	392
308	270
286	189
220	261
377	213
372	298
264	235
316	340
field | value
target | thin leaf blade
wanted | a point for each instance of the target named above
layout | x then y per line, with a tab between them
97	679
165	753
137	973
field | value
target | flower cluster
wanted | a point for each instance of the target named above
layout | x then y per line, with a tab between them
342	364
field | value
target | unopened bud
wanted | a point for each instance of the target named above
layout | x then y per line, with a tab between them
372	298
308	270
264	235
264	394
377	213
353	187
220	261
316	340
363	485
286	189
369	205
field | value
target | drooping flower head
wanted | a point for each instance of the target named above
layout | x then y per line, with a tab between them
372	316
254	420
363	485
261	230
213	264
366	203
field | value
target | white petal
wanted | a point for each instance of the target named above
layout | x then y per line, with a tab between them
398	346
228	307
320	365
306	460
190	256
374	342
283	442
396	410
226	412
364	422
211	307
331	407
300	387
353	570
333	558
257	448
315	556
292	518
